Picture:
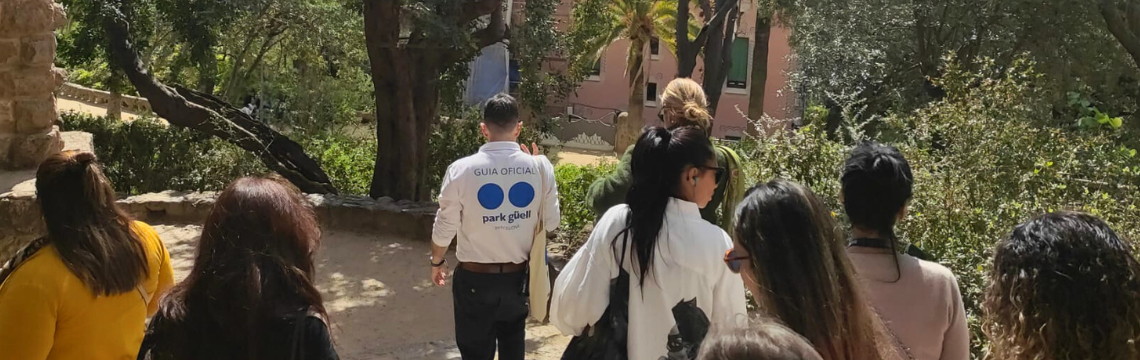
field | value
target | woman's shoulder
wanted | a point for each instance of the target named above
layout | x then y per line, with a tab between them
933	272
149	237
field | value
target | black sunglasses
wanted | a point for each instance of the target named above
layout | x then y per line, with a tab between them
719	171
734	260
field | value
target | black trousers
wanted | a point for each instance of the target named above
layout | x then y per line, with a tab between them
490	310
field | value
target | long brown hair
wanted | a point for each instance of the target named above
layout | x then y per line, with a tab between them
804	275
90	232
1063	286
254	265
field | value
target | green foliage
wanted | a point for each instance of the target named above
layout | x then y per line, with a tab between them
982	163
1091	117
577	217
599	23
146	155
532	41
886	51
347	160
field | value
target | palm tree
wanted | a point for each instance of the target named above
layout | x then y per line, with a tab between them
638	21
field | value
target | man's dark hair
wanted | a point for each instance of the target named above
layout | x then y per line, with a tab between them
501	111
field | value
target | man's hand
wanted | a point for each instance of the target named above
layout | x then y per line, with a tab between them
439	275
533	150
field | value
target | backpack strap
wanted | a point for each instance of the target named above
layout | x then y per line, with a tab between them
23	255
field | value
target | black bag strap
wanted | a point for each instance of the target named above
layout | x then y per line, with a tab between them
10	266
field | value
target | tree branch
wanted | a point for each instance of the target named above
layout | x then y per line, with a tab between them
203	112
473	9
1118	25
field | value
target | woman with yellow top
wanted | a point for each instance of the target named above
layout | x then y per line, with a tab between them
85	290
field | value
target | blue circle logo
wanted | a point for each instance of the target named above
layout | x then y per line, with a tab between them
521	194
491	196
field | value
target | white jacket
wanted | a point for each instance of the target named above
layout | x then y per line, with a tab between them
491	201
687	277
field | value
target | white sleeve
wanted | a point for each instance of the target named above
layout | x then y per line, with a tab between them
729	303
582	291
447	219
552	212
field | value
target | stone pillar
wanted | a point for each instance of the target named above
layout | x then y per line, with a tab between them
28	115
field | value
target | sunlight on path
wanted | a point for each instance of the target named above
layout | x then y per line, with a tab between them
68	105
380	301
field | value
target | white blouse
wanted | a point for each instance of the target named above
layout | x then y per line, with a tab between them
687	277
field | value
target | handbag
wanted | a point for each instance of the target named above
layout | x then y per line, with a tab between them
538	286
607	338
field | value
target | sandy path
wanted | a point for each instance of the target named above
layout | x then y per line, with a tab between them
380	300
65	105
584	157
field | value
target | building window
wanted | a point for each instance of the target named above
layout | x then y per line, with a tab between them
738	75
651	94
596	71
654	48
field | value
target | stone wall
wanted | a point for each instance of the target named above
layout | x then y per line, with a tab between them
355	213
27	77
78	92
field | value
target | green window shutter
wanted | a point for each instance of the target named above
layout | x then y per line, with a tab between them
738	75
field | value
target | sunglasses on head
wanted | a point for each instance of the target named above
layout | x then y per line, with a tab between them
734	259
719	171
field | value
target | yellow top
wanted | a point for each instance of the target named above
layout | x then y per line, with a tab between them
47	313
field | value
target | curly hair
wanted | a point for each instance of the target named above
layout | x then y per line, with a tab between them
1063	287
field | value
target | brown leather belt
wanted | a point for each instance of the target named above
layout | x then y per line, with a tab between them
496	268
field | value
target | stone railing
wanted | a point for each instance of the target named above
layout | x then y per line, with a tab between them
72	91
355	213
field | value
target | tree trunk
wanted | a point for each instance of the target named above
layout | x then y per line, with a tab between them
207	70
629	129
115	103
407	96
1124	23
759	76
200	111
718	56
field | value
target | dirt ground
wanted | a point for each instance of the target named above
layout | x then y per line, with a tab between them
584	157
66	105
380	300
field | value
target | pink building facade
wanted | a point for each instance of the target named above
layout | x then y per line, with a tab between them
600	97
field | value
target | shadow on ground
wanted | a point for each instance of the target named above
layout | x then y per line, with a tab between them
379	296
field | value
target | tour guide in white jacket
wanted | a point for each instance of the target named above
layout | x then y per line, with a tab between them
492	201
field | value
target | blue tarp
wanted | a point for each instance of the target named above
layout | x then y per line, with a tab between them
489	74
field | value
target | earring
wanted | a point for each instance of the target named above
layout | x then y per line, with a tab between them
696	180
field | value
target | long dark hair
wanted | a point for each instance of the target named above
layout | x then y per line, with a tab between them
765	339
1063	286
254	265
800	266
656	164
877	183
91	233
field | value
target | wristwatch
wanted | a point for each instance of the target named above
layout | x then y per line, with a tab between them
434	264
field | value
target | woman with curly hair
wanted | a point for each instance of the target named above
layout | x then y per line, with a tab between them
1063	287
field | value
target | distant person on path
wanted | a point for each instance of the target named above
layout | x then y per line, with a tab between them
767	340
250	294
682	104
1063	286
678	286
85	290
919	301
493	202
789	250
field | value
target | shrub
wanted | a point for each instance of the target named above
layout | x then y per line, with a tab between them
983	162
146	155
577	216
